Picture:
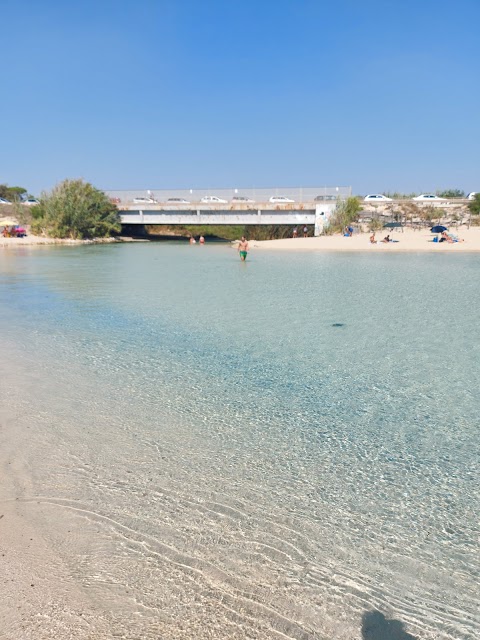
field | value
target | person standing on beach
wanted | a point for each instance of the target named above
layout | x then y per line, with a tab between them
305	231
295	232
243	249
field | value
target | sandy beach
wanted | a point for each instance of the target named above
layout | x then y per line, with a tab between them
40	240
407	241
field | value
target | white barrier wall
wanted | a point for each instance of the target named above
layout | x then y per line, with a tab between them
258	195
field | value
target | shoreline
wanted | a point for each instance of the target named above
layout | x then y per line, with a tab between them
31	241
405	241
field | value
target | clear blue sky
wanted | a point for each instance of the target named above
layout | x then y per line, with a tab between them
230	93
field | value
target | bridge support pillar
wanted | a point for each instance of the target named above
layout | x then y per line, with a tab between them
322	216
319	219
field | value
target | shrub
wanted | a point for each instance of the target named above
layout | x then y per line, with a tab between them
375	225
451	193
432	213
75	209
345	213
226	232
474	205
396	195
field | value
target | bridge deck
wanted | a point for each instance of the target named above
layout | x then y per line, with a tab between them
245	214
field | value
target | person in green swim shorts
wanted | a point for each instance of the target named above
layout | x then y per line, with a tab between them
243	249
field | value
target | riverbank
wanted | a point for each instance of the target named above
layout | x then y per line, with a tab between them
40	240
408	240
29	239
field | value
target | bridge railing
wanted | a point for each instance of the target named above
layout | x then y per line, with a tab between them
257	195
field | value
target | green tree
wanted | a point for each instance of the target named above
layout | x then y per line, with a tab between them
451	193
474	205
13	194
75	209
345	213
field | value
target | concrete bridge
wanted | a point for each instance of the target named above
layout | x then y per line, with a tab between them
263	214
302	205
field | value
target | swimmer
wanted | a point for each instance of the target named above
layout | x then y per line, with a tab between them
243	249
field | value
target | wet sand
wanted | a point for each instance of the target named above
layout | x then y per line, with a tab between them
40	240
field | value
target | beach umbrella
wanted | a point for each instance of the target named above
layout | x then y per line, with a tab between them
392	225
439	229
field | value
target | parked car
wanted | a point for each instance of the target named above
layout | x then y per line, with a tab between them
31	202
178	201
377	197
4	201
242	199
144	201
213	200
471	196
324	198
280	200
428	197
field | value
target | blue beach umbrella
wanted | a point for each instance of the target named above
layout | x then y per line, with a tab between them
439	229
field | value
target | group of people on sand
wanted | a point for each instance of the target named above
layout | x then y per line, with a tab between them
295	232
446	237
386	239
15	231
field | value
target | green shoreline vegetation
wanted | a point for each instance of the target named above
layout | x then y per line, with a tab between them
76	210
223	231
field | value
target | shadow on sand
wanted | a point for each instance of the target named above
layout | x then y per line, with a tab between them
375	626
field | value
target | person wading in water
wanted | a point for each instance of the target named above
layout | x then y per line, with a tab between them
243	249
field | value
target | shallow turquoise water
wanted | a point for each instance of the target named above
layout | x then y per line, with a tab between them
236	461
